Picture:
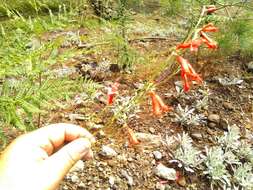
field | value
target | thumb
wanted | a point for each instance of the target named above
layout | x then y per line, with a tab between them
62	161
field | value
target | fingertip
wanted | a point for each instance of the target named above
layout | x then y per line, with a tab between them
89	155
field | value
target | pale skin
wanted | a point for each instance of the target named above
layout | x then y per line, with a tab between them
40	159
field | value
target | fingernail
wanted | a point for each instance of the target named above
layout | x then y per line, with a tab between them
83	146
89	156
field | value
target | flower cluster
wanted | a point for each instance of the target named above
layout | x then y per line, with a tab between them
188	74
194	44
158	105
112	91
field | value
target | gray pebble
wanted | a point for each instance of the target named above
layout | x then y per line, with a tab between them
214	118
108	152
157	155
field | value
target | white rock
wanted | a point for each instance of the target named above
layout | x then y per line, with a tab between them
158	155
74	117
165	172
78	167
160	186
152	140
81	185
108	152
129	178
111	181
74	179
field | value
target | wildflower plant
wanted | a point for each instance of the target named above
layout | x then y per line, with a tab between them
187	116
125	108
230	139
215	167
186	155
243	176
245	151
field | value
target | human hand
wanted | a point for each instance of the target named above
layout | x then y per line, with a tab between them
39	160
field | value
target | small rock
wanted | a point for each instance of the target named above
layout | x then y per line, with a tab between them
197	136
250	66
153	162
129	178
34	44
152	140
210	131
65	187
111	181
165	172
214	118
151	130
224	124
74	117
228	105
74	179
157	155
101	134
130	159
78	167
100	169
160	186
230	81
108	152
95	126
82	185
212	125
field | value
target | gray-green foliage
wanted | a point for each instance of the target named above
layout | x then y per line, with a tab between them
215	167
187	154
243	176
228	165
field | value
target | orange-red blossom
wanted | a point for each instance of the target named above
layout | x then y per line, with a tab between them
211	8
211	44
209	28
193	45
188	74
112	91
158	105
132	137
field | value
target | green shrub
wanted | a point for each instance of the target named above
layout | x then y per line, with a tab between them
237	37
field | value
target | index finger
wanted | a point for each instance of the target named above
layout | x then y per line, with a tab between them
51	137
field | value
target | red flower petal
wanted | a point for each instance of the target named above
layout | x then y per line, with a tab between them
184	46
164	107
211	44
187	73
131	137
209	28
112	91
155	104
211	8
158	105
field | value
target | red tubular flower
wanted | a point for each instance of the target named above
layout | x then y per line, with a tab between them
184	46
132	137
155	104
158	105
209	28
112	91
193	45
188	73
211	44
211	9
